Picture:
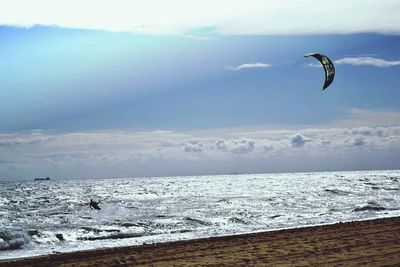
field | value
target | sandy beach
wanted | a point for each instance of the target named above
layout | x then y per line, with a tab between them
374	243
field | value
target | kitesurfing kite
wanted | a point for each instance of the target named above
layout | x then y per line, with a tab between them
328	67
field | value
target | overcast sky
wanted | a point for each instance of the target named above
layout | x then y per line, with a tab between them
123	88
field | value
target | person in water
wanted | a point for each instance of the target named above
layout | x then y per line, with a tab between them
94	205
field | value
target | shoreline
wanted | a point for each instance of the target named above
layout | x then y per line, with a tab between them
374	241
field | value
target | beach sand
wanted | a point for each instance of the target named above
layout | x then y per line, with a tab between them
371	243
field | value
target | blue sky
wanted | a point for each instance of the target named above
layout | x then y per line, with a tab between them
70	80
187	82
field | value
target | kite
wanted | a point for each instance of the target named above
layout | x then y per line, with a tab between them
328	67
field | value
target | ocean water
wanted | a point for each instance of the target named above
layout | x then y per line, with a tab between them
146	210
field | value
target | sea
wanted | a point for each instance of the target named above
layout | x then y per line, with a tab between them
46	217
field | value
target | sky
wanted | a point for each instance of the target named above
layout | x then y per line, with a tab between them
156	88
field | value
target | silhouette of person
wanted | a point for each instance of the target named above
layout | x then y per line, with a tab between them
94	205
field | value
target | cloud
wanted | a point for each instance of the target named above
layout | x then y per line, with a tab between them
359	141
314	65
236	146
361	61
299	140
192	147
129	153
226	17
12	140
248	66
368	61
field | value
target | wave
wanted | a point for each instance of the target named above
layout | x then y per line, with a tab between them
337	192
196	221
369	183
129	225
391	188
181	231
238	220
96	230
224	200
10	240
114	236
275	216
33	232
369	208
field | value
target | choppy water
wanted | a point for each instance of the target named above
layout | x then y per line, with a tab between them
145	210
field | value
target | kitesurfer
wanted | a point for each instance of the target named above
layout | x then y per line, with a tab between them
94	205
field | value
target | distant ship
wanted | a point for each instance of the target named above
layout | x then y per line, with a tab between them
42	179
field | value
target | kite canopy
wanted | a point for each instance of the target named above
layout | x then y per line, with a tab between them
328	67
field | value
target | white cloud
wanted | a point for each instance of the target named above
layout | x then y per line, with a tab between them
248	66
368	61
193	147
359	141
314	65
227	17
120	153
235	145
299	140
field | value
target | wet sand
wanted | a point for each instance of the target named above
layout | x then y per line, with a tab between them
371	243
